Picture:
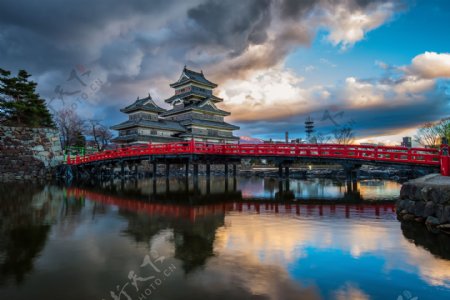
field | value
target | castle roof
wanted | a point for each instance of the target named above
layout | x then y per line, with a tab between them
145	104
160	124
207	105
192	93
192	76
207	123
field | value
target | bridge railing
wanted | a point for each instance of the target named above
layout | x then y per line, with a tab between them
361	152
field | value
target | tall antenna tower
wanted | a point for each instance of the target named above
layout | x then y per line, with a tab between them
309	127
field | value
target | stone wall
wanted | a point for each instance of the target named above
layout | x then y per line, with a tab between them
27	153
426	199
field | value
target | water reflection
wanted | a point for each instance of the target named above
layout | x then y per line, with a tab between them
238	240
23	230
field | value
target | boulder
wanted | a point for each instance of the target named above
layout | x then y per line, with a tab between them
405	191
429	209
410	206
408	217
432	221
426	193
419	208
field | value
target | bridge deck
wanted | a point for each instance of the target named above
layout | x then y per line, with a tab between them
388	154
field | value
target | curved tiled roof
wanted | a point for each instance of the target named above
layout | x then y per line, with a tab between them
200	106
189	75
160	124
206	123
145	104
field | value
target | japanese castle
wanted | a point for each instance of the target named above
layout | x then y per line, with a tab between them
194	115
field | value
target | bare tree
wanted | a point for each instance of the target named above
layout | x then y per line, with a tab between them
343	135
443	128
321	138
100	134
70	126
428	135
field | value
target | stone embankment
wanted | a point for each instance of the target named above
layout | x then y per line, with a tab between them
27	153
426	200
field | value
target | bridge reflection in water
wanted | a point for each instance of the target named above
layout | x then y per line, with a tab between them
179	198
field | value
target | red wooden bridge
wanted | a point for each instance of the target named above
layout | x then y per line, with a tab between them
355	154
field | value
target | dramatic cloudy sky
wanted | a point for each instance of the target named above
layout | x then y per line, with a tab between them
382	66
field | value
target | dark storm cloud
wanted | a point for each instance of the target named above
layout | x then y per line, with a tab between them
134	46
231	24
53	35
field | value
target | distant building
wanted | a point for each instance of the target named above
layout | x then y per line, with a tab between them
407	142
194	115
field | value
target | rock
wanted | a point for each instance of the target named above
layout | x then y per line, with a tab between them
432	221
443	196
429	209
419	208
435	195
444	228
426	193
25	151
408	217
38	148
400	205
410	206
446	214
440	213
417	195
405	191
419	219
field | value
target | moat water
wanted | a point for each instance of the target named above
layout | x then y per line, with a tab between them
249	238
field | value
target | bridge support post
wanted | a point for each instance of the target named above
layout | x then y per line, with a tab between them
234	184
226	170
208	170
195	170
155	168
226	184
122	169
286	171
167	169
351	171
186	170
208	185
234	170
280	170
355	185
136	171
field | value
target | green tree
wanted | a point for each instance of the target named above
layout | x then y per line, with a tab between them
80	140
20	105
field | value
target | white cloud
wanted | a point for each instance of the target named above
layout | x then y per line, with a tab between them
309	68
346	27
431	65
269	94
410	89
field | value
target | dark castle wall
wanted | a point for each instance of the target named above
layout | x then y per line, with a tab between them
27	153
